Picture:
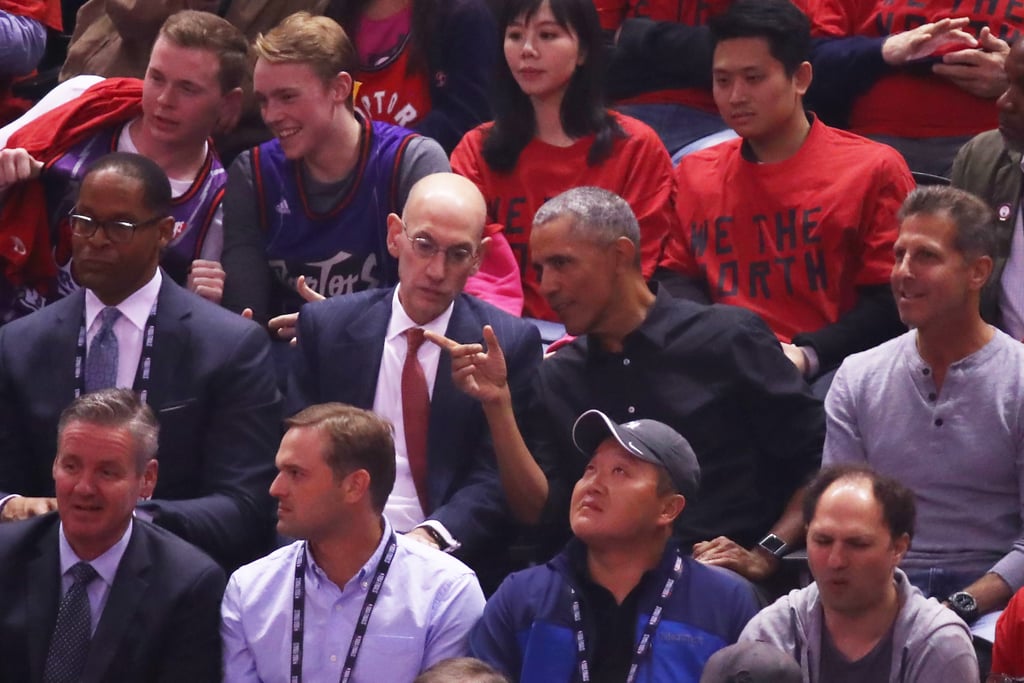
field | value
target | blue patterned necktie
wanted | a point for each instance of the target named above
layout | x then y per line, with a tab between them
69	646
101	361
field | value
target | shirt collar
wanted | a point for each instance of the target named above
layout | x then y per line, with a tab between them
654	328
135	308
318	576
400	320
105	565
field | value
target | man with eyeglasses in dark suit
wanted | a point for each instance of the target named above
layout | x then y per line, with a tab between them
204	371
354	349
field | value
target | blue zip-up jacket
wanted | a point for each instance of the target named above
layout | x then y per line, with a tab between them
527	628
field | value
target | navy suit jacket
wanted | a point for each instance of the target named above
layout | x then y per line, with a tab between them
160	622
212	389
341	341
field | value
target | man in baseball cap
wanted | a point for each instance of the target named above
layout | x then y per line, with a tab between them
623	600
751	662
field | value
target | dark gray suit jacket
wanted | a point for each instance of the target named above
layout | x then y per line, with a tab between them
212	388
161	621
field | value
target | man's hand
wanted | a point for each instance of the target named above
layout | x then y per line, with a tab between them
17	165
796	356
421	535
978	71
481	374
19	508
755	565
206	278
287	326
926	40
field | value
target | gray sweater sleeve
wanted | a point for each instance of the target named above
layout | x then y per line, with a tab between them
247	274
423	156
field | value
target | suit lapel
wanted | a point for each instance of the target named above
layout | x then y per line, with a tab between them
130	584
365	342
43	600
170	344
69	319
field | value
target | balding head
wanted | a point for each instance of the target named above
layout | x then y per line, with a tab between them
448	195
438	242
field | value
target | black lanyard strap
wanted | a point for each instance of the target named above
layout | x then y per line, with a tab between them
299	608
646	641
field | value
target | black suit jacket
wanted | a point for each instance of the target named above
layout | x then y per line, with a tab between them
160	623
341	341
212	388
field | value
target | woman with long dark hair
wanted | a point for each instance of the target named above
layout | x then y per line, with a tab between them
423	64
551	132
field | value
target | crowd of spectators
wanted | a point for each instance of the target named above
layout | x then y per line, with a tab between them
592	337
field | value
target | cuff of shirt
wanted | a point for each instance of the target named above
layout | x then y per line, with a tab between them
5	500
453	544
813	363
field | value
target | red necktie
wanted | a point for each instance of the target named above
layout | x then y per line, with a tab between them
416	414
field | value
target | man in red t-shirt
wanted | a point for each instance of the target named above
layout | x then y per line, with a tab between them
920	76
795	220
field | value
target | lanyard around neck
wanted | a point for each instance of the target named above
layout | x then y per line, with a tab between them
299	608
643	646
141	385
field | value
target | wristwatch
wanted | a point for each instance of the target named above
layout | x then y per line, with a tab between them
964	605
774	545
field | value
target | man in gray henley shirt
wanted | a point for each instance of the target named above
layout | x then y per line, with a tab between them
940	408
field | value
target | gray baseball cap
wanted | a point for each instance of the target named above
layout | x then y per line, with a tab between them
649	440
751	662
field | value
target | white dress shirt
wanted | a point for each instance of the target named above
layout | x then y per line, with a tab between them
128	329
403	508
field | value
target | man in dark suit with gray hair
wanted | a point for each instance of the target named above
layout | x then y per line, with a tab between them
91	593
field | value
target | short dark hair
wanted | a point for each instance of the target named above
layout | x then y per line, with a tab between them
461	670
357	440
117	409
972	218
596	215
156	189
780	22
897	501
207	31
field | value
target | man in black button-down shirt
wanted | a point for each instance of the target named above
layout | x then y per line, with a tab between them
715	374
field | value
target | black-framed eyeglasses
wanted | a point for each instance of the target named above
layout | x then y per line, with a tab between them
117	232
426	248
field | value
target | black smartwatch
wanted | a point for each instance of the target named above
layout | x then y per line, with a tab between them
436	537
774	545
964	605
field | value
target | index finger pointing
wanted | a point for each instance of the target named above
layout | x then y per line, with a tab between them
444	342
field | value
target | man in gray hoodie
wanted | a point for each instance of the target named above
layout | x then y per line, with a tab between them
861	620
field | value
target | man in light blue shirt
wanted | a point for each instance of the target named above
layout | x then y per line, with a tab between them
352	600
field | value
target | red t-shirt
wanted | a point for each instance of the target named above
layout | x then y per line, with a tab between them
389	93
638	169
787	240
1008	651
46	12
909	104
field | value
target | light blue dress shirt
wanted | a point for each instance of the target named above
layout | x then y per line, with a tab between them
424	613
